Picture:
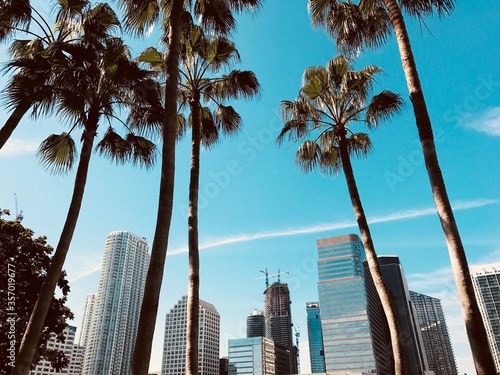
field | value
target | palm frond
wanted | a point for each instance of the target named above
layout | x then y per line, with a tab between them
142	151
383	106
140	16
420	8
215	15
308	156
329	160
14	14
221	52
227	119
359	144
57	153
209	131
113	146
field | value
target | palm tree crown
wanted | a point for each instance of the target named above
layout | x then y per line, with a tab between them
367	23
330	100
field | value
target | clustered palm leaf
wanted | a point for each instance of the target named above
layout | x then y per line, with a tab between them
369	23
34	61
331	101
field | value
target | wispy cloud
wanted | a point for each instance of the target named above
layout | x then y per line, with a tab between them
396	216
18	147
83	267
487	122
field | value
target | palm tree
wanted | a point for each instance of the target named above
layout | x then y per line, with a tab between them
331	100
203	57
141	16
33	59
369	24
93	84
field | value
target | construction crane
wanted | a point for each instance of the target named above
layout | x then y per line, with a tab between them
19	214
297	337
267	275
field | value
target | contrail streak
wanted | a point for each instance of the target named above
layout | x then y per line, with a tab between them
396	216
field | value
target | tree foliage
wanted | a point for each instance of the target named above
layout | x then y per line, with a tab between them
24	261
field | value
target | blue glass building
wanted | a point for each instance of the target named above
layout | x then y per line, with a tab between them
349	345
315	336
252	356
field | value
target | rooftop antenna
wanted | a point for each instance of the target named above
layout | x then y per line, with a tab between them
19	215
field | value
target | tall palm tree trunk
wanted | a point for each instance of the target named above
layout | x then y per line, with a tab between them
193	302
474	325
388	303
149	308
37	319
12	122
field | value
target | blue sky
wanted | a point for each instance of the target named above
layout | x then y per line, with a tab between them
257	210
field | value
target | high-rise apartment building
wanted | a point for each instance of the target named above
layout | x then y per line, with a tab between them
278	320
395	281
486	281
256	324
115	311
252	356
73	352
349	345
90	304
315	336
174	346
435	336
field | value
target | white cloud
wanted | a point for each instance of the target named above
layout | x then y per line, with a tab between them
83	266
17	147
400	215
487	122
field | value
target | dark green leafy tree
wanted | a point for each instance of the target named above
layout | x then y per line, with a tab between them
33	60
369	23
24	262
172	16
94	82
331	101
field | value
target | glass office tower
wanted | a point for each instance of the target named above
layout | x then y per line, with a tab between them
252	356
413	347
347	338
486	280
315	336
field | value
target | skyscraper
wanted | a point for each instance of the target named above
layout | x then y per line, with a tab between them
73	352
486	280
279	327
252	356
115	311
90	304
256	324
174	346
435	334
348	343
413	347
315	336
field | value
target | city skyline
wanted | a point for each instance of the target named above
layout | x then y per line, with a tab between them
258	210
